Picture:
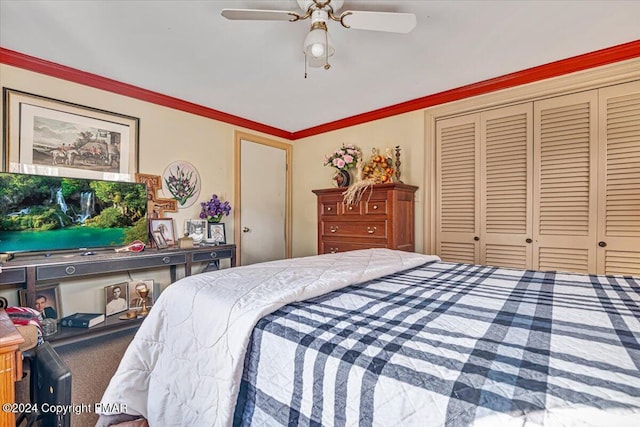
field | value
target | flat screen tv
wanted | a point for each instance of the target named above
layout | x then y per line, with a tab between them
50	213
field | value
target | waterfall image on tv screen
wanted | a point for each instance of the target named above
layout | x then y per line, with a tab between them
46	213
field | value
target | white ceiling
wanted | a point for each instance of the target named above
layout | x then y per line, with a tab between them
255	70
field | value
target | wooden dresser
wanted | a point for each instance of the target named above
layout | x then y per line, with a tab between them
10	366
384	218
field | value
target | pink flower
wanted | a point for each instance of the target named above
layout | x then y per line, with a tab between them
344	157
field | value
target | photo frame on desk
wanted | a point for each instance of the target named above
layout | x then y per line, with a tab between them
196	229
47	301
158	240
116	298
217	233
46	136
164	226
135	301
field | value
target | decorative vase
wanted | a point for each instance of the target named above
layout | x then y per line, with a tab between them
342	178
214	219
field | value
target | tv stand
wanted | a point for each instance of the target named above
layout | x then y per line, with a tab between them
27	271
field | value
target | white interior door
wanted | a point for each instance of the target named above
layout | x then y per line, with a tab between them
263	202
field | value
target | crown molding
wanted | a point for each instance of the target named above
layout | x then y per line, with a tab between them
542	72
574	64
37	65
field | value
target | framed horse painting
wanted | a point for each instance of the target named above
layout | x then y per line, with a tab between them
50	137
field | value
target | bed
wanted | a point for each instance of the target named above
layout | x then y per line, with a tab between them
383	337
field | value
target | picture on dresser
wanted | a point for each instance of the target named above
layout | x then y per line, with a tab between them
135	289
217	233
158	240
164	226
196	229
46	302
116	298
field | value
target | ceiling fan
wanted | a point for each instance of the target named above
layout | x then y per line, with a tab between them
318	46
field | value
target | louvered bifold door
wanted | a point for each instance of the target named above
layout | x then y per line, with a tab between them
565	183
457	145
506	145
619	180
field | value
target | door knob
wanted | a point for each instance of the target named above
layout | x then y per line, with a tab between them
602	244
245	229
476	238
528	240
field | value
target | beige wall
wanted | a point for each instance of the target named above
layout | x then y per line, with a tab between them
405	130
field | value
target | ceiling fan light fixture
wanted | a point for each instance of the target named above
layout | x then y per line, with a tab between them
318	46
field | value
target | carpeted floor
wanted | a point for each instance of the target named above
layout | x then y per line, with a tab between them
92	363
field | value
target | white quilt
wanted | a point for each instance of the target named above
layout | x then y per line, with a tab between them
185	363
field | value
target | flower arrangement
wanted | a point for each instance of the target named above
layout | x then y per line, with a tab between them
214	209
345	157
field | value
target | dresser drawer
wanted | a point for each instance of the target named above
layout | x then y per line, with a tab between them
96	267
352	209
375	207
367	229
211	255
329	208
339	246
13	276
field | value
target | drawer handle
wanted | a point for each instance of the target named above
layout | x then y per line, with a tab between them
70	269
329	208
350	208
371	230
333	250
166	259
333	228
213	254
375	207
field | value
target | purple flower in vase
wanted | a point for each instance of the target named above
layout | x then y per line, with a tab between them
214	209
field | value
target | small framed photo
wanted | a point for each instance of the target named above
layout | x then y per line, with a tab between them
196	229
165	227
116	298
47	301
217	233
158	240
135	299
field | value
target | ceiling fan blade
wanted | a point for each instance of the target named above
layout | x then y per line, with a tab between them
259	15
379	21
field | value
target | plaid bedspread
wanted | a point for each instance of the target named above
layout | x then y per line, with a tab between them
451	344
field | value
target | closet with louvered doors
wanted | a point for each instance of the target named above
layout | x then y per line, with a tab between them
552	184
484	181
505	186
565	183
618	250
458	195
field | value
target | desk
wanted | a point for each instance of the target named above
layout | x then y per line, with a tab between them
26	271
10	365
